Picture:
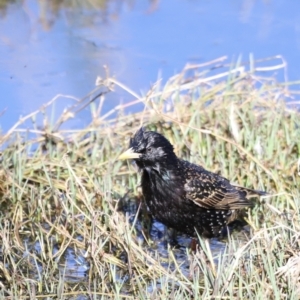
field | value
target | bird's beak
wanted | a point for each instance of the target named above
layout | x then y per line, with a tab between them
129	154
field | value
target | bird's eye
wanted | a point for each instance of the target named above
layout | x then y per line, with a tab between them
149	149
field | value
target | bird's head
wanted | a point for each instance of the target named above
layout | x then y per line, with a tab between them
150	149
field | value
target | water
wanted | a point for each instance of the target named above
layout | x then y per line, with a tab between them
49	49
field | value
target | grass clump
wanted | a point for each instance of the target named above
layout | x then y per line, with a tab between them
61	191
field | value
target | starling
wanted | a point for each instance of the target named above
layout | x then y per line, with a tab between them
182	195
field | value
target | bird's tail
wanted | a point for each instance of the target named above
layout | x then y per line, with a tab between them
250	193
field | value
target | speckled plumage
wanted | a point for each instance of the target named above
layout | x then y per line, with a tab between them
183	195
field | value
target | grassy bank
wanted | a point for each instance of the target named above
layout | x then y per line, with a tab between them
64	233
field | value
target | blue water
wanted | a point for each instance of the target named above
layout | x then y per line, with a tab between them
48	50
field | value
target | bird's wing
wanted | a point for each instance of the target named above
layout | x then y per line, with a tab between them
210	190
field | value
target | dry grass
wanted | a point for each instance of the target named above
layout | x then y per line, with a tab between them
62	234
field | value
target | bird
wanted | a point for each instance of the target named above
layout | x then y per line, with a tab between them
183	195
